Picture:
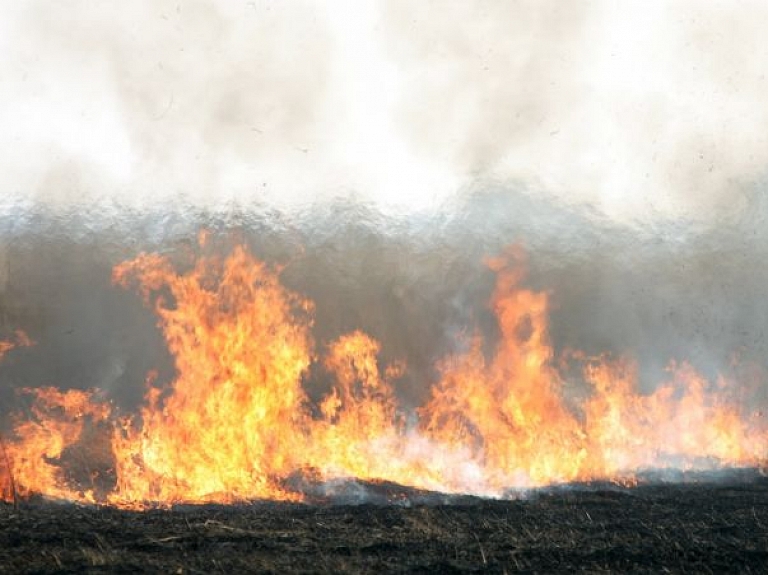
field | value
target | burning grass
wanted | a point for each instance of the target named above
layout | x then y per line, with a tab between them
236	424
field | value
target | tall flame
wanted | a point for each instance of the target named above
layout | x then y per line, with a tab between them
237	424
508	410
230	426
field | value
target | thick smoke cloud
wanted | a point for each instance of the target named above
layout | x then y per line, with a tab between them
642	110
382	150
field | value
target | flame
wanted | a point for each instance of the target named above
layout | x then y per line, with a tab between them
57	423
231	426
236	423
508	410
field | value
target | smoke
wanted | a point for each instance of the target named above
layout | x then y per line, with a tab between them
643	110
417	284
381	151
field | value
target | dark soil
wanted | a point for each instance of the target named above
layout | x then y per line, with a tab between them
702	527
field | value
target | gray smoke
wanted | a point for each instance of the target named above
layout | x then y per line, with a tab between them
673	292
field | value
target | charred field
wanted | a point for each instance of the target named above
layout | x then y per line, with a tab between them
705	525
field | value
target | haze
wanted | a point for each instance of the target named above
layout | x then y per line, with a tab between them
641	110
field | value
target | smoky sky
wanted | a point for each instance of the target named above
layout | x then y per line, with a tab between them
639	109
380	151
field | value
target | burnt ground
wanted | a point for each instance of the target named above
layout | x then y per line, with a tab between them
700	527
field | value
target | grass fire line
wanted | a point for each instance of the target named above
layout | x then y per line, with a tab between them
236	423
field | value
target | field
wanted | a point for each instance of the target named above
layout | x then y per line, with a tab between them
702	527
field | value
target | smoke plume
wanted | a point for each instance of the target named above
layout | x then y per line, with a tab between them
380	151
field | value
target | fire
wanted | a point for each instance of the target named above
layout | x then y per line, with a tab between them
684	421
231	425
508	410
57	423
237	424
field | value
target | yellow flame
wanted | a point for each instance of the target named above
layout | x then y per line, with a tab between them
236	423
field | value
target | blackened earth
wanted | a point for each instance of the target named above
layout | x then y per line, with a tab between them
706	525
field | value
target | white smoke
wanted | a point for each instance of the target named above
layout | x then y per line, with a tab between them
640	109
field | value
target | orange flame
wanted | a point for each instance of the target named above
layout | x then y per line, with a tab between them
236	423
57	423
508	410
231	425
